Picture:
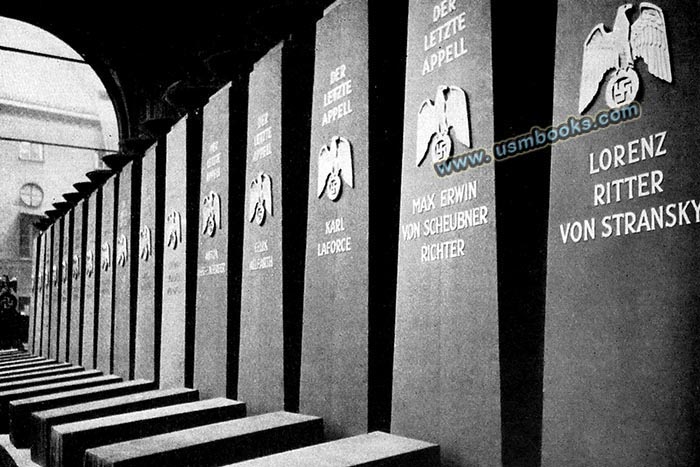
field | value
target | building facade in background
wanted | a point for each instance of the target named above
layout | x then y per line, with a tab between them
56	122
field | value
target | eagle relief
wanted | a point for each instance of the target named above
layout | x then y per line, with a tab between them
106	256
449	111
260	198
122	250
173	229
89	263
334	167
145	243
618	49
211	214
76	266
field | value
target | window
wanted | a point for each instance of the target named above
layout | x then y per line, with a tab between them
31	195
27	232
31	151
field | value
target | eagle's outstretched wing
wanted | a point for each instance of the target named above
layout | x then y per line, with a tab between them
175	227
457	113
599	56
253	197
427	126
649	41
326	159
211	208
344	160
217	209
266	192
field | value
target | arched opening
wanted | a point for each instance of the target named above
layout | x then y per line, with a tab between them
57	121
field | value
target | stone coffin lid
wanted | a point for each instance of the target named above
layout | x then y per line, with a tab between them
27	362
43	421
40	372
33	391
41	379
42	367
21	410
372	449
69	441
16	358
217	443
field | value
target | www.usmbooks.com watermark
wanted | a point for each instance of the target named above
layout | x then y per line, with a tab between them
538	138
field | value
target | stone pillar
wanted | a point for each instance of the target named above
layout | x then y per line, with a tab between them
105	322
621	328
273	233
150	264
124	283
92	265
446	370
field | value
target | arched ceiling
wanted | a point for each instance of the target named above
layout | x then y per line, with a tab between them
140	52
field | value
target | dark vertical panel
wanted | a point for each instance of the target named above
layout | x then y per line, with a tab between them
522	101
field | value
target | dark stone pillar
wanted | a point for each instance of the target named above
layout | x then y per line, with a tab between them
92	274
150	265
105	322
622	330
